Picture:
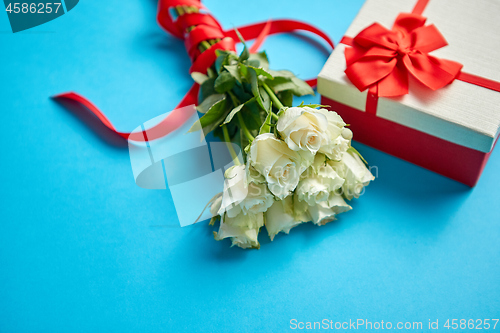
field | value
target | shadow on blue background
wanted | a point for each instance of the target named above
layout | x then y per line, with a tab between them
93	123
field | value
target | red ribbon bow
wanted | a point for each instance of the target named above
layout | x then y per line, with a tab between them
381	59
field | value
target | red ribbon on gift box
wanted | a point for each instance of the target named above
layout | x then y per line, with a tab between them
381	60
206	27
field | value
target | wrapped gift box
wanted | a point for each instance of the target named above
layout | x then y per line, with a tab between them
451	130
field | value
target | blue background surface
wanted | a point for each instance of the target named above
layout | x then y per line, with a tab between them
82	248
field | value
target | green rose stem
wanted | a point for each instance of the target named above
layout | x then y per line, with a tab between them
230	146
206	45
243	126
274	98
202	47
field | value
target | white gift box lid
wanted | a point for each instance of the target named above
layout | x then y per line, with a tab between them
461	112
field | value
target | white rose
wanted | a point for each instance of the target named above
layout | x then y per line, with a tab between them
280	166
238	196
318	182
347	134
337	147
215	205
355	172
303	128
258	200
280	217
254	175
242	229
326	211
336	142
312	130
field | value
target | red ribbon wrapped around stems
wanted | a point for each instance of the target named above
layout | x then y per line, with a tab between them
196	27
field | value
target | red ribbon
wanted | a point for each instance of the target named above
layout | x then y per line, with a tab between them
206	28
382	60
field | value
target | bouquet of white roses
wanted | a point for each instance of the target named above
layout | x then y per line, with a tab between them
298	165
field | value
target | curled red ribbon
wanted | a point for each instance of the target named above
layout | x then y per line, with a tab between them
202	26
381	60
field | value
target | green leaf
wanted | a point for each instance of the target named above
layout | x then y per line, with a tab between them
250	112
244	54
214	126
232	59
266	100
233	113
207	88
253	63
220	61
228	58
313	106
211	73
254	82
240	93
262	58
251	100
251	117
220	52
247	87
261	71
266	126
234	71
247	148
224	82
196	127
253	105
213	117
281	111
286	98
243	143
243	71
281	83
209	102
282	73
219	133
254	85
240	37
301	87
199	77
